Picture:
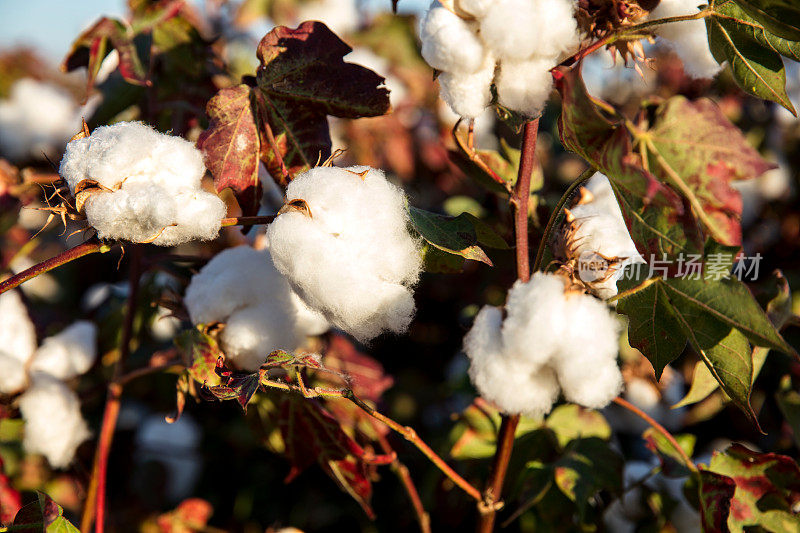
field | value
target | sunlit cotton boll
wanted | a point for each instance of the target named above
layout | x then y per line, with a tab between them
151	185
12	374
520	29
54	426
524	86
474	8
468	94
309	322
550	341
17	334
450	43
242	288
37	118
350	256
688	38
69	353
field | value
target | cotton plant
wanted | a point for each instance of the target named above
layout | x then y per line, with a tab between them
241	288
511	43
343	242
54	425
136	184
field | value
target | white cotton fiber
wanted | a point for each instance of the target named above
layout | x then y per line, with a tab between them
550	341
688	38
474	8
242	288
341	16
54	426
353	259
599	228
234	279
68	354
12	374
154	181
524	86
449	43
520	29
468	94
37	118
17	334
250	334
309	322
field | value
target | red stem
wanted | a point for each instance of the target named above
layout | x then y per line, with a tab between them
89	247
96	497
505	439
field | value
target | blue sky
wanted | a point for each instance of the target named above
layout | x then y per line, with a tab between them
51	25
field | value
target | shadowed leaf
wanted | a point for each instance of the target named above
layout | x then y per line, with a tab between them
42	515
715	492
455	235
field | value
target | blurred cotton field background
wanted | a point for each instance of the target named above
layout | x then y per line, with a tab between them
218	457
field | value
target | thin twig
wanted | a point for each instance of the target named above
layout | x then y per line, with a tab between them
468	150
89	247
551	223
491	501
658	427
247	221
402	473
95	506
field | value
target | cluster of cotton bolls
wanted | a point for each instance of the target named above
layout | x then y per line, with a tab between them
146	186
550	341
37	118
54	426
344	245
596	231
511	43
241	288
688	38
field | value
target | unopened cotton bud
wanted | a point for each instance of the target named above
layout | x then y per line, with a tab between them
347	251
54	426
449	43
68	354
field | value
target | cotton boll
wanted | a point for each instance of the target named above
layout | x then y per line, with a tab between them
308	321
518	29
524	86
54	426
234	279
341	16
250	334
511	384
536	320
449	43
689	38
17	334
151	185
353	258
37	118
164	326
12	374
468	94
69	353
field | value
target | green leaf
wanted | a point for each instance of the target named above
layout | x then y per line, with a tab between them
570	422
781	17
42	515
455	235
767	487
587	466
201	353
656	218
231	146
751	51
475	435
696	150
301	80
672	462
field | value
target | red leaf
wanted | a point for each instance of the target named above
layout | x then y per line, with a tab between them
10	499
190	516
715	492
367	377
231	146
